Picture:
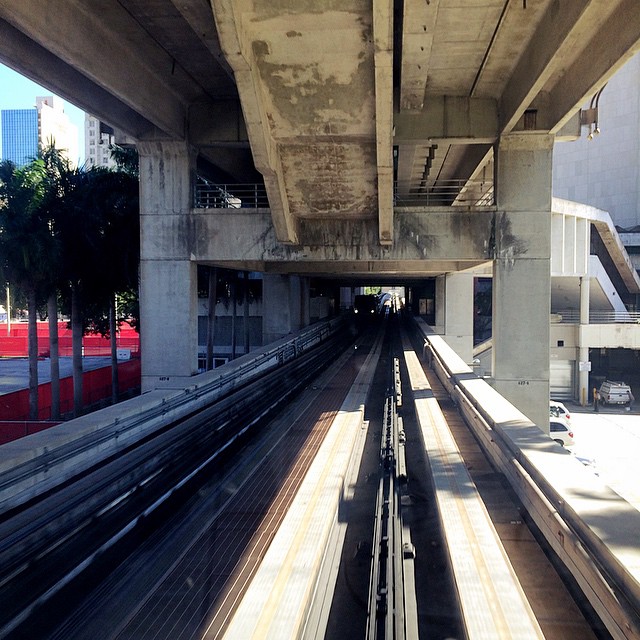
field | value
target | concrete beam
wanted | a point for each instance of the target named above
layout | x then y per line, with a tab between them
448	235
266	155
383	65
33	61
448	119
558	36
113	52
602	57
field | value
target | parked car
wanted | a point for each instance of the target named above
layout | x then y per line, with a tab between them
561	432
612	392
558	410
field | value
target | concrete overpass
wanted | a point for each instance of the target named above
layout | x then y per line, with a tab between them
343	110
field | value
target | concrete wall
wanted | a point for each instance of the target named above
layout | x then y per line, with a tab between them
605	171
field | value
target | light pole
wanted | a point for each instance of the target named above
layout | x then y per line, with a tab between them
8	312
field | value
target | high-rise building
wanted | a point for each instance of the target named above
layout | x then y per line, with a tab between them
23	130
19	135
98	138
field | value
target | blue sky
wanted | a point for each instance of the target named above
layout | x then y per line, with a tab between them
18	92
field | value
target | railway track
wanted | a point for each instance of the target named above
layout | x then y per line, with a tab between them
51	542
231	556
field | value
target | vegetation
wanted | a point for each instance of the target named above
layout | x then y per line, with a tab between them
26	248
69	237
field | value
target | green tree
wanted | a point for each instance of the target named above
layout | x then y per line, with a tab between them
56	165
63	199
94	215
26	248
115	194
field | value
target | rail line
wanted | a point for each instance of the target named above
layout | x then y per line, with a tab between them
53	540
491	599
261	549
558	492
392	597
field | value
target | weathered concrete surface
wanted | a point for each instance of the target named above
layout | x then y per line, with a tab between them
306	77
522	273
424	239
168	275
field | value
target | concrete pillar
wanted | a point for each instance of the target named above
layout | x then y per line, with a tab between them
285	305
458	314
245	324
168	278
234	314
440	314
522	272
583	351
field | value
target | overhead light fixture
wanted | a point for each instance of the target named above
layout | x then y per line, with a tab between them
591	114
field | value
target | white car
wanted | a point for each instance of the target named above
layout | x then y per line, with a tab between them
560	431
558	410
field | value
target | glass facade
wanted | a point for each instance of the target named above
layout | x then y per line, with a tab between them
19	135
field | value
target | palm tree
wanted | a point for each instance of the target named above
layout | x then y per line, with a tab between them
94	214
70	223
118	254
26	246
55	165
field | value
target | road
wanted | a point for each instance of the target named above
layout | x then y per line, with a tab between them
611	439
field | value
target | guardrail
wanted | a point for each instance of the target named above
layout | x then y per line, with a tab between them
29	468
230	196
572	316
598	548
443	193
432	193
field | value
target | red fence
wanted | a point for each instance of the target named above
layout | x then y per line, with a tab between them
96	386
19	429
15	342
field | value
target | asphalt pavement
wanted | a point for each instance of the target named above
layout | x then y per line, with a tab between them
610	440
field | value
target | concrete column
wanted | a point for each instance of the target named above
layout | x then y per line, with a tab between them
168	278
522	272
245	324
439	326
458	315
285	305
583	351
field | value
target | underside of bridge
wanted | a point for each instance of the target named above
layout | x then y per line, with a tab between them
358	117
342	107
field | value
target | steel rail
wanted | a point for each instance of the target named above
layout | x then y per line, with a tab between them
392	598
159	457
53	465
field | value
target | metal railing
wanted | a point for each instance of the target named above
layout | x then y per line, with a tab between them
443	193
439	193
572	316
230	196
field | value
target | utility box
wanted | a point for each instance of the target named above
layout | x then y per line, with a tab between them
123	354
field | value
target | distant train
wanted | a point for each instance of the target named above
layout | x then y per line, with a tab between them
365	305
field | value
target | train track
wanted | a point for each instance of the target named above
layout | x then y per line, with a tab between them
52	542
392	598
212	548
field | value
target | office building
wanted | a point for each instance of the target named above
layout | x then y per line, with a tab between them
24	130
98	139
